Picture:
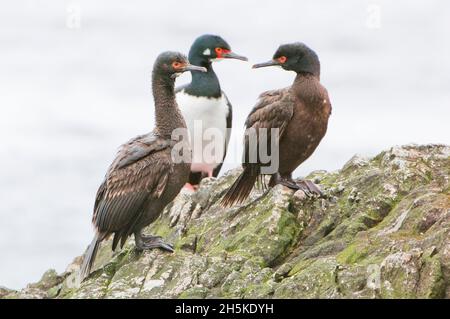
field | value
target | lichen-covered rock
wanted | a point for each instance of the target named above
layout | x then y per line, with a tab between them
382	230
48	287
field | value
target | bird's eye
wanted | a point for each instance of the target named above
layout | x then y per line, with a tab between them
282	59
219	50
176	65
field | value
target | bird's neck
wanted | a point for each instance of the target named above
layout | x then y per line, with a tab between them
204	83
308	89
306	76
167	114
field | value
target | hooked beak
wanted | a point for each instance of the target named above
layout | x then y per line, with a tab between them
232	55
191	67
264	64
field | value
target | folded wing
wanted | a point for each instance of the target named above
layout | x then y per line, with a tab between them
138	174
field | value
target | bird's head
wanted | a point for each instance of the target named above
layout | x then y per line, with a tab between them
295	57
209	48
171	64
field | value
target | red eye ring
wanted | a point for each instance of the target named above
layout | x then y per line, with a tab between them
176	64
282	59
218	50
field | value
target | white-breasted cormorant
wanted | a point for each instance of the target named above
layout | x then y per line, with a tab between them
202	102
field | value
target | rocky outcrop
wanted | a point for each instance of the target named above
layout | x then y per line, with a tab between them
381	231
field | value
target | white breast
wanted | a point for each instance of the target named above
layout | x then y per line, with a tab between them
207	125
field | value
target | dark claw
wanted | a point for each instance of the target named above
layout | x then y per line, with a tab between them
151	242
167	247
309	188
306	186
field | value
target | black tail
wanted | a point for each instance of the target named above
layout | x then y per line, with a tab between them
89	258
241	188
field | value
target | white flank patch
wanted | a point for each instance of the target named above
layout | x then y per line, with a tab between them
207	52
205	115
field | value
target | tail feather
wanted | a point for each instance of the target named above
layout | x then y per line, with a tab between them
89	258
261	182
241	188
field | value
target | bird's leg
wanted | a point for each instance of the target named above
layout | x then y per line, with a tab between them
151	242
210	173
274	179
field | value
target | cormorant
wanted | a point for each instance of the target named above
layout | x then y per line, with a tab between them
203	103
300	112
144	177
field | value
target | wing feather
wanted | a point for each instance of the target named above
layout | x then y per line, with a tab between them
138	174
273	110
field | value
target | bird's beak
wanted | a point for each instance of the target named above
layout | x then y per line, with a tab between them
264	64
232	55
191	67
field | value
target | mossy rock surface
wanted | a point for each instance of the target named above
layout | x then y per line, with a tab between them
382	230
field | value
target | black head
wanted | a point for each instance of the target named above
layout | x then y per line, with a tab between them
295	57
208	48
171	64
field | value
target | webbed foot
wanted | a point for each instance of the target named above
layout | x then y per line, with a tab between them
151	242
305	185
309	188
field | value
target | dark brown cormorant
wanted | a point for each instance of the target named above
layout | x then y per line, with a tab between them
300	112
202	102
144	177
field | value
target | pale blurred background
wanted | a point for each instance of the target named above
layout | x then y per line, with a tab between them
75	84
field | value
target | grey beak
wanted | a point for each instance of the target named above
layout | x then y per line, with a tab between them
264	64
191	67
232	55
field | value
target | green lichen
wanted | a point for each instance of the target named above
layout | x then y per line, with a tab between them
381	231
354	253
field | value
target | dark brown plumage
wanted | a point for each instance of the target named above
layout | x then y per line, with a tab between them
300	112
144	177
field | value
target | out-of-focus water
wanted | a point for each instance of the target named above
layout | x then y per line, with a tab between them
69	96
